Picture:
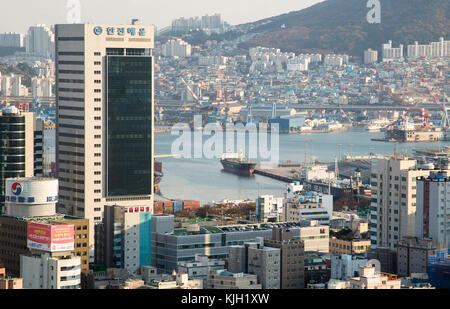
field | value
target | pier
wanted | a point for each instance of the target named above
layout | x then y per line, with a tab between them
280	173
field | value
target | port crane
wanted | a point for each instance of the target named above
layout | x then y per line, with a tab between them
445	123
190	90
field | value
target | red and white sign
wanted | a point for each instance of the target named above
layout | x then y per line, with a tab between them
51	238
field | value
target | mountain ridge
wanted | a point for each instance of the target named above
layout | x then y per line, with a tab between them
341	26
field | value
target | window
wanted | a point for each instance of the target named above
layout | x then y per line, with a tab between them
97	54
97	72
97	63
97	109
71	53
97	118
97	100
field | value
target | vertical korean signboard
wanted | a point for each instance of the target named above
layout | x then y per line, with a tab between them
50	238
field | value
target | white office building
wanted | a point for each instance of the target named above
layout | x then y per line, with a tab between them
316	237
40	40
176	48
345	266
298	64
335	60
11	85
434	49
370	56
42	87
11	40
198	269
308	206
104	120
212	60
50	271
269	208
391	53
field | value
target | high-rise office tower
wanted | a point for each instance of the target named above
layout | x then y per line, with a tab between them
21	146
104	131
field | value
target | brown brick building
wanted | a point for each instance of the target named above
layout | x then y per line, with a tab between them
292	258
13	239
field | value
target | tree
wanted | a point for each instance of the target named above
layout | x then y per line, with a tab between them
186	213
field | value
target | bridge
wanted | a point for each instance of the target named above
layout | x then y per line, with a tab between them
356	108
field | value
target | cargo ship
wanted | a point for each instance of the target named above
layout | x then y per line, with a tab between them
236	163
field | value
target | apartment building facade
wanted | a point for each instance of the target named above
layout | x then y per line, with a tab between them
433	209
393	200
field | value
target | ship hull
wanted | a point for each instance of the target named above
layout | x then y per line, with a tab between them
240	168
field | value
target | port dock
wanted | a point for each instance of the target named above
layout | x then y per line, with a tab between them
279	173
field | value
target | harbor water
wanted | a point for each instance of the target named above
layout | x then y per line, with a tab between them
203	179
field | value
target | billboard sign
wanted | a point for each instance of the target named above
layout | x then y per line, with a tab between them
50	238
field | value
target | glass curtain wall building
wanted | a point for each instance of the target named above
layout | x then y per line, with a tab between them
104	121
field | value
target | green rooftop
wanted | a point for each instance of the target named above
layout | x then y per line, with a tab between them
213	229
179	231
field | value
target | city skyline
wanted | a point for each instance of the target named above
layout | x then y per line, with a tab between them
308	150
52	12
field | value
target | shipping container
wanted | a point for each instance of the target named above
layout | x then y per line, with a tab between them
191	205
158	208
168	204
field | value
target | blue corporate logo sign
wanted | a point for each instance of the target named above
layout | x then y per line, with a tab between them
98	30
16	188
120	31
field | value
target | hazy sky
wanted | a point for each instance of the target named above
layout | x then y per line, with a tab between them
18	15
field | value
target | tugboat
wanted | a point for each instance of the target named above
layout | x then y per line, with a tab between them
236	163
